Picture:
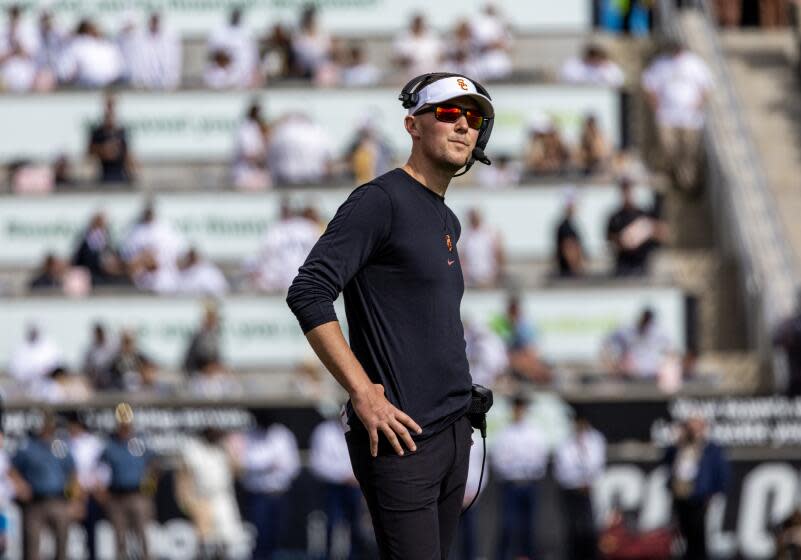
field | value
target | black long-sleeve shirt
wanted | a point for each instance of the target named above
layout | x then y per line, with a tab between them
391	249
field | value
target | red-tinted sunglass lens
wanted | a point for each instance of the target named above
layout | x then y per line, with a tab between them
474	120
448	114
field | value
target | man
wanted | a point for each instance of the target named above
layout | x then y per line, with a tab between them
642	350
633	233
698	470
677	86
43	474
108	142
519	457
482	253
204	347
34	359
570	259
579	463
155	61
593	68
392	248
86	448
130	464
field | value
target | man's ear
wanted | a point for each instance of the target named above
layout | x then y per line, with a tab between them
412	126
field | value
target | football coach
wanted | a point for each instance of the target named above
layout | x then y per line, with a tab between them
391	249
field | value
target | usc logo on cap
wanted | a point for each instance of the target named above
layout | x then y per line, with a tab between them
462	85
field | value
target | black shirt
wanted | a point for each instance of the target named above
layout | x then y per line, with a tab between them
112	169
563	232
629	261
391	250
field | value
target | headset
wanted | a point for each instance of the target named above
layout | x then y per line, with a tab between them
409	98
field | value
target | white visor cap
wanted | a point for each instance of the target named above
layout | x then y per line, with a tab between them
451	88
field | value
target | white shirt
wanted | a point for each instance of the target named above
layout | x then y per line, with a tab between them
486	353
284	249
222	385
203	278
155	62
491	38
18	74
477	246
497	177
311	50
679	84
23	34
643	354
218	77
160	238
241	47
576	71
86	449
519	453
299	151
270	460
423	52
93	62
32	361
581	460
361	75
163	280
250	146
329	458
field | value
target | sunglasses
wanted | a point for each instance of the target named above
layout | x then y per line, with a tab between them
452	113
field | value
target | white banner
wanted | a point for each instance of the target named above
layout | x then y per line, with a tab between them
200	125
342	17
261	330
229	226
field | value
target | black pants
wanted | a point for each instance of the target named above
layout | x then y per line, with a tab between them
582	538
414	500
691	515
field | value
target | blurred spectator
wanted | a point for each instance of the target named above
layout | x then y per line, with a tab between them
51	274
205	491
198	276
99	356
370	154
299	151
284	248
155	236
417	50
469	530
329	460
640	351
151	275
486	353
18	45
594	153
357	71
677	86
249	170
519	456
62	171
593	67
155	62
312	48
204	347
214	382
504	172
91	60
570	257
787	336
127	498
461	54
43	474
61	386
86	449
96	254
126	42
108	143
633	233
579	463
276	53
29	177
481	253
698	470
545	152
233	55
52	45
520	338
128	366
34	359
492	39
268	463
